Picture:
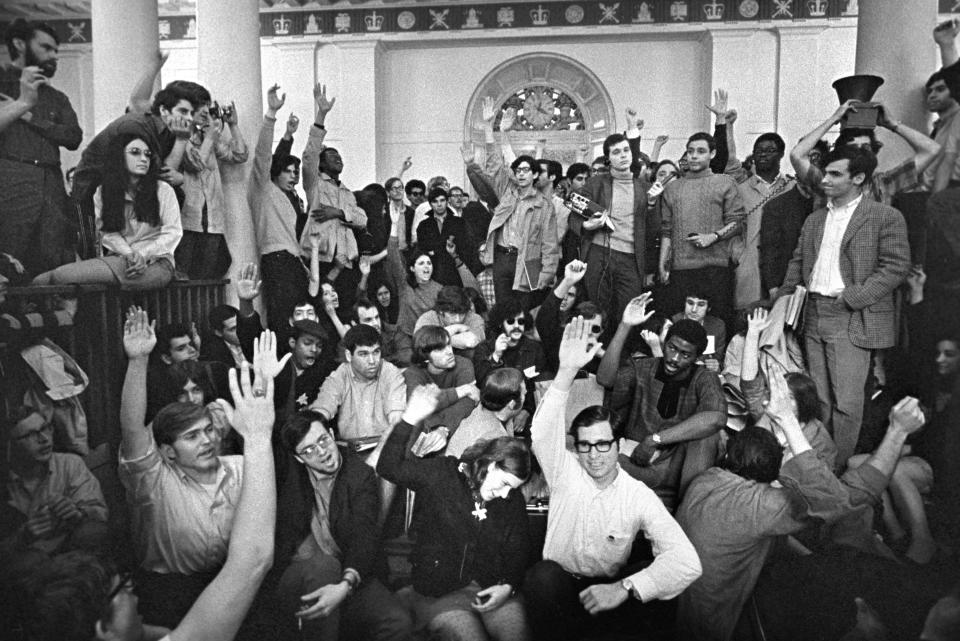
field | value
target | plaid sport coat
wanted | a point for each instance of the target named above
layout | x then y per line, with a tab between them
874	261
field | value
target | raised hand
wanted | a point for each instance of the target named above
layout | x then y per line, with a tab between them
758	320
139	337
230	116
500	345
578	346
274	101
508	119
364	265
635	313
421	404
248	282
886	118
661	140
719	106
253	413
195	336
30	81
731	116
324	105
314	237
652	339
907	415
468	153
574	271
407	163
489	112
655	190
265	355
293	123
946	32
843	109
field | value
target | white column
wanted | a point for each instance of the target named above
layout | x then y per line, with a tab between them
353	121
126	40
799	87
895	42
228	64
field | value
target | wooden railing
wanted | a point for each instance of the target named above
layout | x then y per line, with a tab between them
94	336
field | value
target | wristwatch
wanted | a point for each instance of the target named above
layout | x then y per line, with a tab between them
627	585
656	439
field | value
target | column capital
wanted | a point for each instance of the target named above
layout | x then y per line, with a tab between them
798	31
295	45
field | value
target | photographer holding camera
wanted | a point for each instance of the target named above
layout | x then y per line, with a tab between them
216	139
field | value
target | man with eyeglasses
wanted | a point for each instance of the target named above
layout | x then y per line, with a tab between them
327	571
401	228
596	512
521	242
51	501
671	408
458	199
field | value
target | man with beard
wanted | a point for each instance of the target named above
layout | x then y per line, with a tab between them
33	226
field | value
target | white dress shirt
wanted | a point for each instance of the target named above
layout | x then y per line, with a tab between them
825	279
590	531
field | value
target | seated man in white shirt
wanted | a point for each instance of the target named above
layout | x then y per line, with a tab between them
596	512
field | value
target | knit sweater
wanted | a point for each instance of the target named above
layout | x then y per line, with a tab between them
700	205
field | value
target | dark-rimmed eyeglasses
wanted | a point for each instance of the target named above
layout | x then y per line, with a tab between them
584	447
313	449
523	169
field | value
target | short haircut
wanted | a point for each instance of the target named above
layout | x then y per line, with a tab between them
502	387
554	169
361	303
773	137
21	29
279	164
427	339
600	160
307	327
804	392
178	90
220	315
303	302
698	290
755	454
847	136
414	184
704	136
166	333
175	419
591	416
576	169
436	181
361	335
391	182
611	140
936	76
530	160
18	415
453	300
436	192
298	425
322	158
860	161
690	331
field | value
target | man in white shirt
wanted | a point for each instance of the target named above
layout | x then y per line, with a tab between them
596	512
851	256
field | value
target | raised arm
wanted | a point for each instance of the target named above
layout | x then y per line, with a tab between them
925	149
139	340
260	174
807	172
233	151
310	167
394	465
140	98
945	35
634	314
221	608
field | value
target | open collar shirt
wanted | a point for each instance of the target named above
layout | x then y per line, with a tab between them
825	279
362	407
181	526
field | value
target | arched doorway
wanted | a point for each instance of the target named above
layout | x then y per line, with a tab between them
560	104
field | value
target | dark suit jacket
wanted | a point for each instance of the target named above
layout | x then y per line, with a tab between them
599	189
874	260
433	240
214	349
354	506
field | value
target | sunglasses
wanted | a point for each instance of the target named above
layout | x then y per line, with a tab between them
516	321
136	153
584	447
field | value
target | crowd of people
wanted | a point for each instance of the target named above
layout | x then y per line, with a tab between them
735	391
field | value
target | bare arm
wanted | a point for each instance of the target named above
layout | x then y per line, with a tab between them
634	314
798	155
925	149
140	98
139	340
945	35
218	612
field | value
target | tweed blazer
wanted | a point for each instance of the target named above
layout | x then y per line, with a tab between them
874	261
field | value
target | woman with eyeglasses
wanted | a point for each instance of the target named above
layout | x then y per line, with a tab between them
138	220
472	545
508	345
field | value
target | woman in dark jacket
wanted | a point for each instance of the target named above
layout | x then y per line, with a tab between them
472	539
